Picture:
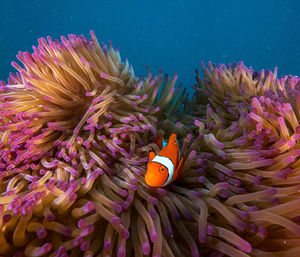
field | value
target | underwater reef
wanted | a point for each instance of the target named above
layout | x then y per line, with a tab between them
76	127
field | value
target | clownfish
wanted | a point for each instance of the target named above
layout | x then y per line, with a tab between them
163	168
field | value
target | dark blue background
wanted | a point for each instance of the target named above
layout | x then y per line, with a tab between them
174	35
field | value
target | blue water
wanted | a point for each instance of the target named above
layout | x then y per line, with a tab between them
174	35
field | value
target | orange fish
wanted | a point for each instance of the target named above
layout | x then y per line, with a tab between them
164	167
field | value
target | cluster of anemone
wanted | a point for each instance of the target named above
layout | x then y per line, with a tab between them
76	126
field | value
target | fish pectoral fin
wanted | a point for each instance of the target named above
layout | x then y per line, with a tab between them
151	156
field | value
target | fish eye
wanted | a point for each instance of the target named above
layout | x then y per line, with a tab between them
162	169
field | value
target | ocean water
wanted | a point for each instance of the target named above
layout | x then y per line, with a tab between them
174	35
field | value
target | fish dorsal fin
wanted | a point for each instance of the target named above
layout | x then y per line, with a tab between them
171	150
179	155
172	137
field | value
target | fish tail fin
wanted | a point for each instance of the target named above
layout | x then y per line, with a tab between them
178	169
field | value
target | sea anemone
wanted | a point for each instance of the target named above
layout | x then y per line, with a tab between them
72	122
76	126
262	112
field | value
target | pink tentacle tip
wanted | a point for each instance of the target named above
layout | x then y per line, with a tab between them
87	144
262	231
46	248
153	200
125	205
115	220
88	207
246	247
87	230
103	75
125	234
146	248
135	128
132	187
48	98
178	124
42	233
121	251
50	217
161	191
117	207
123	192
66	231
77	241
153	236
153	213
134	180
84	246
107	245
81	223
195	252
202	238
60	251
290	159
73	197
99	171
197	123
27	209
